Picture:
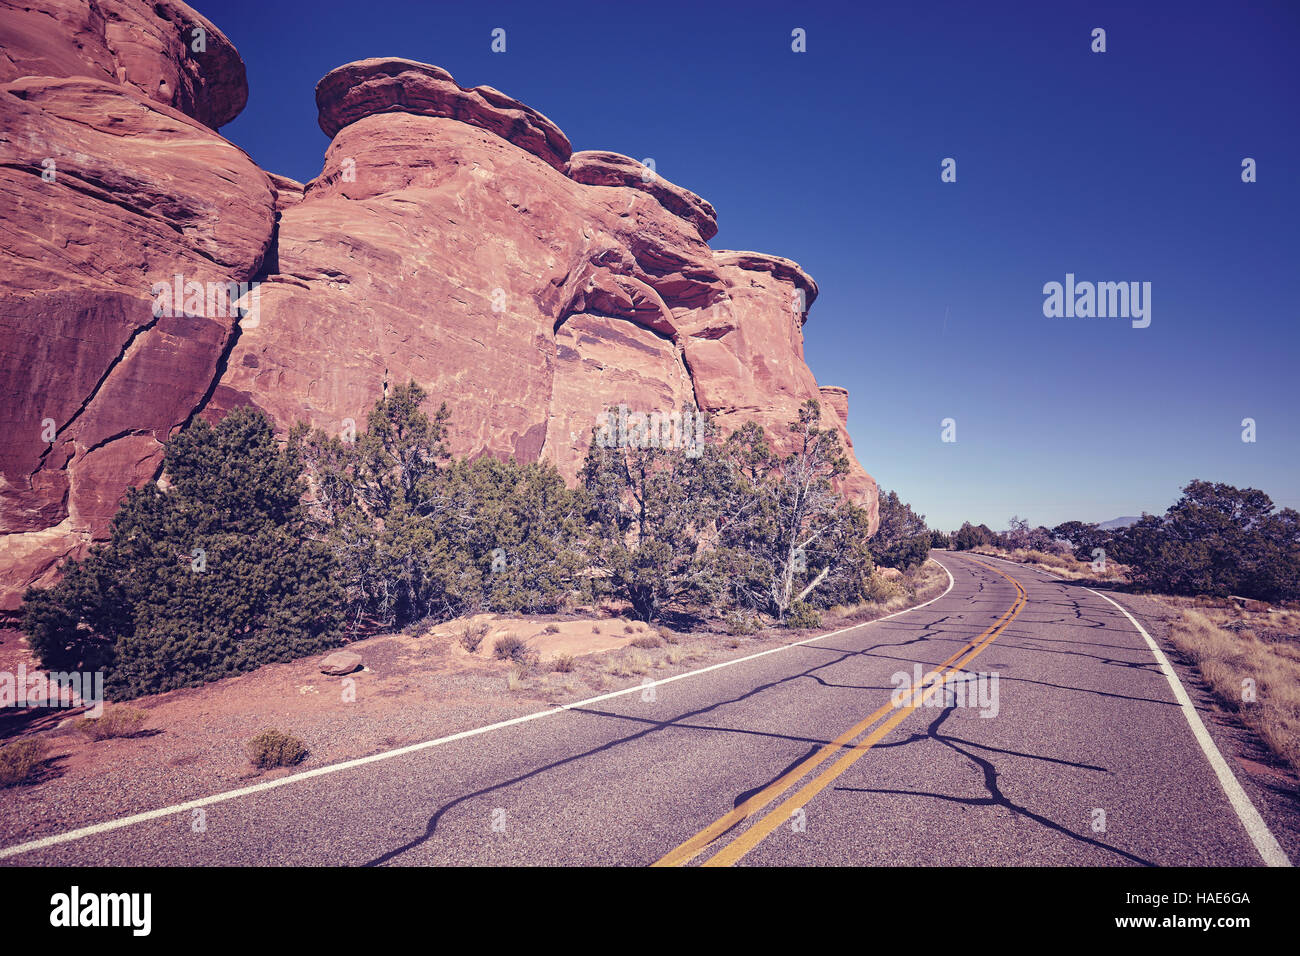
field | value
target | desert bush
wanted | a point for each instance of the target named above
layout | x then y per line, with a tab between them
970	536
19	761
117	722
882	591
668	636
275	748
803	615
646	642
785	534
563	663
1083	538
472	636
551	629
420	535
1021	536
650	513
740	623
509	648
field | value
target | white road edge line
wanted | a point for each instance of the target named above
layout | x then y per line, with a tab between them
109	825
1256	828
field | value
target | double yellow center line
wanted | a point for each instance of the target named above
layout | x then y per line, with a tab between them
931	683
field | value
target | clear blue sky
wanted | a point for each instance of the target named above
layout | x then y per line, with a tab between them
1122	166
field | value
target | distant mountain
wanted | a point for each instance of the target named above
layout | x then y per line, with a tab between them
1114	523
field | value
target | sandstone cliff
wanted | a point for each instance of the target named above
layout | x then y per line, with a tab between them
452	237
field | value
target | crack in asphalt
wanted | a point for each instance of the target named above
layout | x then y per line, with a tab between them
655	726
928	633
995	795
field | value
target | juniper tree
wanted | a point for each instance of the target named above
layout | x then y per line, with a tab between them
788	536
208	573
902	541
375	502
653	514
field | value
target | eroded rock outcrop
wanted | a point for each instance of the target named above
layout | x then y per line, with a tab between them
452	237
164	50
112	180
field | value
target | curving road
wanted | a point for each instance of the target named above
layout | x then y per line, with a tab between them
1078	754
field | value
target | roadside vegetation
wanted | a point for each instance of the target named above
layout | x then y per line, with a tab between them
114	722
1216	540
1249	656
1226	560
21	760
250	551
275	748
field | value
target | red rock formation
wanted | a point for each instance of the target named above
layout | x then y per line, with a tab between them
134	192
451	238
163	50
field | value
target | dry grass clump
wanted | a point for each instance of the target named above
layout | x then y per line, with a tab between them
1230	659
19	761
118	722
628	664
471	637
509	648
563	663
646	642
886	592
1066	566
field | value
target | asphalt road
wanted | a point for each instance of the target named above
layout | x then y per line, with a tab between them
796	757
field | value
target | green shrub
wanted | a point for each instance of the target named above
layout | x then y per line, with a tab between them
118	722
740	623
19	760
1217	540
275	748
902	541
803	615
648	509
208	577
418	536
